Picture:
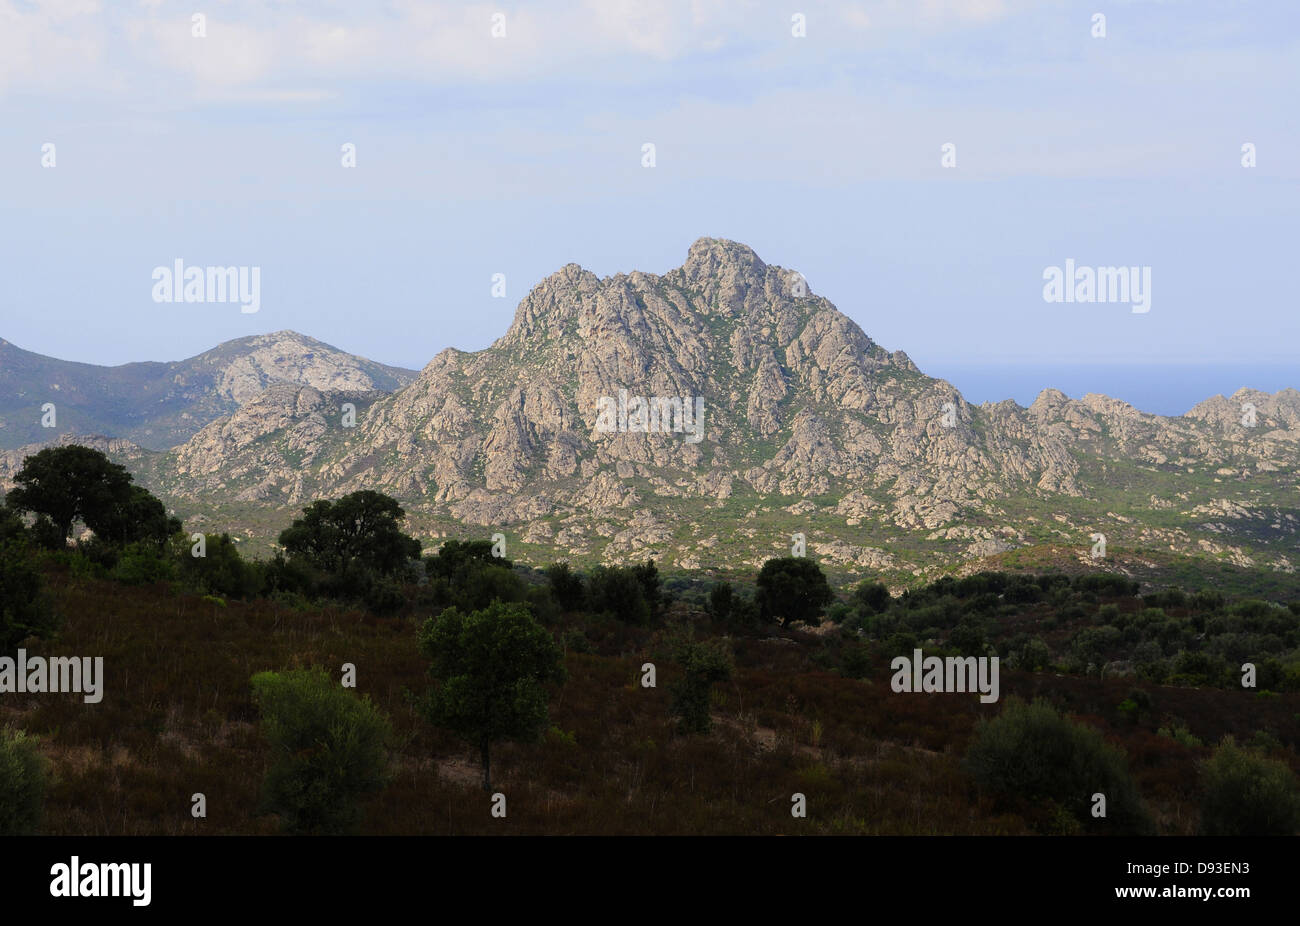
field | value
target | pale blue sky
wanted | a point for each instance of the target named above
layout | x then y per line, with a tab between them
518	155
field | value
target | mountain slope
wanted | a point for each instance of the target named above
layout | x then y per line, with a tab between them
809	426
160	405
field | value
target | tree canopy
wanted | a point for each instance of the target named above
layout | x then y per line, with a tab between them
25	607
792	588
74	482
328	746
491	668
360	528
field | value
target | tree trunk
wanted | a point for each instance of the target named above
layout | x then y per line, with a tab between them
487	767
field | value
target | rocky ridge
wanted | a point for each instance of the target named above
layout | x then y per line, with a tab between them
809	426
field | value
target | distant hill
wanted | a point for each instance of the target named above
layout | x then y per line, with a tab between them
160	405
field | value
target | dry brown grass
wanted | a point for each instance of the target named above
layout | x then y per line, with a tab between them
177	719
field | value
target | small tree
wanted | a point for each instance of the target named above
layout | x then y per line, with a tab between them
46	534
22	783
328	749
456	558
721	599
566	585
1247	795
11	525
619	591
792	588
143	564
70	482
647	574
479	587
465	575
360	529
1031	755
135	517
490	669
871	597
732	609
702	665
220	571
25	607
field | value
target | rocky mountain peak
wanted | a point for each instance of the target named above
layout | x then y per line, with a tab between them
804	424
718	257
551	306
719	278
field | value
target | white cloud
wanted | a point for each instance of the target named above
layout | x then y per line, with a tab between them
230	54
59	46
53	44
963	10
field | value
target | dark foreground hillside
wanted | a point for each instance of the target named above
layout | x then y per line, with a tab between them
177	718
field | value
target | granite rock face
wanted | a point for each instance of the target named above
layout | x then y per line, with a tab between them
161	405
806	425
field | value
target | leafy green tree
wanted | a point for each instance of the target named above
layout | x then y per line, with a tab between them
487	584
647	576
1090	647
1034	655
1247	794
490	669
566	586
11	525
465	575
328	748
732	609
142	563
70	482
293	577
1031	755
457	558
220	571
792	588
702	665
22	783
360	529
1106	583
871	597
25	607
722	598
855	661
619	591
744	615
384	596
135	517
46	534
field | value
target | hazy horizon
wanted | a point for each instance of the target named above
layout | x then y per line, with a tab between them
1168	388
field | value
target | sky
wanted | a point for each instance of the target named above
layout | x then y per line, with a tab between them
479	154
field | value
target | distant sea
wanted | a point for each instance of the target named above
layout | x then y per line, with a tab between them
1163	388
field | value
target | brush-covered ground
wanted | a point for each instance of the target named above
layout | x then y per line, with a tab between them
177	717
